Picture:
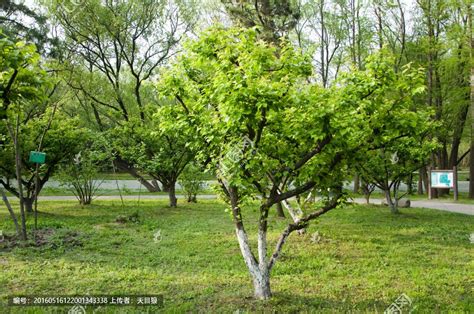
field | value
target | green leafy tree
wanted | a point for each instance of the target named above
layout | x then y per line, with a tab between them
162	155
28	107
63	139
274	22
21	81
255	120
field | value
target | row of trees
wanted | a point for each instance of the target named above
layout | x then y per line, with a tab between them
293	100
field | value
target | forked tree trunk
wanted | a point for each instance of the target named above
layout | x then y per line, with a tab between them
260	275
259	270
85	200
392	204
367	198
192	198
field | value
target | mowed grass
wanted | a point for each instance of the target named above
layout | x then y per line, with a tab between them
365	259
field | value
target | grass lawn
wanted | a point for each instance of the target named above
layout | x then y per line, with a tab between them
366	258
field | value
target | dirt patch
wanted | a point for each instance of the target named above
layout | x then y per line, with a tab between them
122	219
48	237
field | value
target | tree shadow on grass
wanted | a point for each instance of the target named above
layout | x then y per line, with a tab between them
295	303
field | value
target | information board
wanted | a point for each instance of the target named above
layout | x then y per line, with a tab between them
442	179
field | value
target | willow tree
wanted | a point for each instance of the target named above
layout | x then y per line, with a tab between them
119	46
257	122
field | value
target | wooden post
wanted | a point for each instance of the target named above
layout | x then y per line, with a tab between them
36	199
455	183
430	192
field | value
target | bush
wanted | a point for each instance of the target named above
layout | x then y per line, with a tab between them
80	174
191	181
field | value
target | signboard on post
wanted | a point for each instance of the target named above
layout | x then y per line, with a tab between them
443	179
37	157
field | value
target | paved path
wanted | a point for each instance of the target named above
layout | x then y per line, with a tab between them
467	209
135	185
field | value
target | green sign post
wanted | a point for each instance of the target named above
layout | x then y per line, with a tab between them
37	157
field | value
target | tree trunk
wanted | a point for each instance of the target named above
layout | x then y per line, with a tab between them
172	195
122	165
260	272
425	179
28	201
15	137
410	184
166	187
356	183
85	200
392	204
420	182
443	164
279	209
471	158
192	198
10	210
261	284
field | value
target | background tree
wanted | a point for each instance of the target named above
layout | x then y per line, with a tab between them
444	50
20	20
121	45
274	19
161	154
386	168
